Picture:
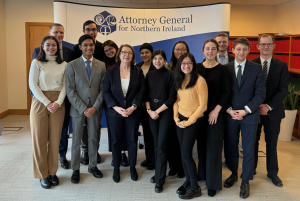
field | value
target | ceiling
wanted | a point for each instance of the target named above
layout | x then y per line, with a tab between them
176	3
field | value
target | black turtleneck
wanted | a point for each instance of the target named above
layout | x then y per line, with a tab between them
159	85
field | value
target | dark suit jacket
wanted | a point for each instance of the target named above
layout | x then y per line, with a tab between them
252	91
276	87
230	58
68	54
113	94
98	52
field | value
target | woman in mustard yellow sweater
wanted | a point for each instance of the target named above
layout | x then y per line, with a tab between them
190	105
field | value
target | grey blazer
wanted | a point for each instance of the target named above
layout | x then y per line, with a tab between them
82	92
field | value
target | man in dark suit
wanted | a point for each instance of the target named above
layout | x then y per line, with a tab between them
57	30
90	28
271	111
247	94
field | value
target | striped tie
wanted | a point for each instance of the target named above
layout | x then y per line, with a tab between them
265	69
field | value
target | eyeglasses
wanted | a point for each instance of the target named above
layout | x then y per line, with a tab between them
182	50
93	30
109	49
129	53
186	63
266	44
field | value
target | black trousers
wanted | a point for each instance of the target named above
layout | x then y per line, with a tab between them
248	132
63	144
120	126
148	138
271	129
160	131
210	160
187	137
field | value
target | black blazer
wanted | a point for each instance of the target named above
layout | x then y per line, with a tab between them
252	91
98	52
113	94
276	87
68	54
230	58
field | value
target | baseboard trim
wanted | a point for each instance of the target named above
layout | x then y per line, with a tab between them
14	112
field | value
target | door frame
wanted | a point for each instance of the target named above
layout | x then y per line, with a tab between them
29	56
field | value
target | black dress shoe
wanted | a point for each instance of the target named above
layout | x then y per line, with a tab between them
191	193
172	172
180	174
45	183
230	181
245	190
151	166
64	162
134	174
75	177
53	180
158	188
98	158
116	175
84	158
112	162
275	180
152	180
211	193
124	160
95	171
182	189
144	163
254	173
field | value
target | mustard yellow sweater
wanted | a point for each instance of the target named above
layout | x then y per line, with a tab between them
191	102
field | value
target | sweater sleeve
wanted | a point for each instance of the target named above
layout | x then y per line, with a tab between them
34	75
175	108
202	93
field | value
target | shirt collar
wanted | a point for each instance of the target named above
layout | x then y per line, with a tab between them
84	59
226	54
263	60
242	64
60	47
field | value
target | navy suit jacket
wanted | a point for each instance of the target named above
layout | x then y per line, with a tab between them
113	94
98	52
276	86
251	92
68	54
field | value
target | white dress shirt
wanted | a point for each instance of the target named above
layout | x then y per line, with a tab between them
225	60
61	52
91	59
125	85
48	76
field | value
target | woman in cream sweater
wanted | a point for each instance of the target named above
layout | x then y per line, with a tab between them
47	83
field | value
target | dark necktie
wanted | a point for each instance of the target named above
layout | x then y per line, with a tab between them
88	68
265	69
239	75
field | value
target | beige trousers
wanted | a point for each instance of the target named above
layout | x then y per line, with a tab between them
46	131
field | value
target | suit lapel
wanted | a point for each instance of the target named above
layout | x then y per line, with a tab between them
83	69
65	54
246	71
118	78
271	70
94	70
132	74
232	71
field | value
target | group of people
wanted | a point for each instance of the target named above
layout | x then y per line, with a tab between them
177	103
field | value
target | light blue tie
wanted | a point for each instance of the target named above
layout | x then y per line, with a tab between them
88	68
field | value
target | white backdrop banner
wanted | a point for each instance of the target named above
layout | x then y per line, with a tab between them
162	28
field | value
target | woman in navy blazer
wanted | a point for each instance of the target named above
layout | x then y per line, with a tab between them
123	91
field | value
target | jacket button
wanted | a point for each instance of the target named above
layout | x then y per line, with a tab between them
237	104
124	101
89	97
90	86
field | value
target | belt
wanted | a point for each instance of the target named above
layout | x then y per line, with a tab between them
156	100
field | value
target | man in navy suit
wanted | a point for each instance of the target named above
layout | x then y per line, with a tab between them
271	111
57	30
89	28
247	94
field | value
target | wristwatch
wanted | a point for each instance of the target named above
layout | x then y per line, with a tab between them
134	105
246	112
148	110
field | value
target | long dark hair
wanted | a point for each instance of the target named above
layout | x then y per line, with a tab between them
42	55
107	60
179	75
173	59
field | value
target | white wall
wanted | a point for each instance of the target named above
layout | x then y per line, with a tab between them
3	68
288	18
18	12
